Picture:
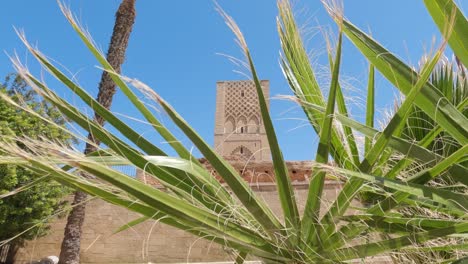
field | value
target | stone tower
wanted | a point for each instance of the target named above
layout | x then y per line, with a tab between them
239	132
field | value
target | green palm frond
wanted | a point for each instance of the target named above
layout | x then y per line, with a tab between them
433	112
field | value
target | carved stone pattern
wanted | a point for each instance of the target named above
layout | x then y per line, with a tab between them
244	156
238	106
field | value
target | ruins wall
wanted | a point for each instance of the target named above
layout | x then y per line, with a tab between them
154	242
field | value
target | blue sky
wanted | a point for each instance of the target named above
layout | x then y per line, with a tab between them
175	47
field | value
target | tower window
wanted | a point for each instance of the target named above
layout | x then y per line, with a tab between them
242	130
241	150
242	93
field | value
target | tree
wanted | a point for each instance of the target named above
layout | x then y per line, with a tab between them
124	20
31	209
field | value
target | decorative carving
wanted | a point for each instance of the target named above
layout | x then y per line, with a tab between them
241	99
242	153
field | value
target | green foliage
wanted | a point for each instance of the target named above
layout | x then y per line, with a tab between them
449	78
34	205
234	216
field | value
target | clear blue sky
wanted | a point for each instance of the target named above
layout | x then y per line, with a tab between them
174	46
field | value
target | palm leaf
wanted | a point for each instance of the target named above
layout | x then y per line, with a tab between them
370	110
301	77
458	201
409	149
249	199
452	24
430	100
373	249
314	197
349	140
351	187
285	190
179	182
162	130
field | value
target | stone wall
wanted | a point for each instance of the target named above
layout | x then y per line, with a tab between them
150	241
253	172
154	242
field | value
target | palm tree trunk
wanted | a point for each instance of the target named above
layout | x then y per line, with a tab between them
12	251
124	20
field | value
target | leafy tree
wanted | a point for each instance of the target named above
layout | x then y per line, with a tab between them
28	211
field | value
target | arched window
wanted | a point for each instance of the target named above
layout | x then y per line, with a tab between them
253	125
241	125
242	153
229	125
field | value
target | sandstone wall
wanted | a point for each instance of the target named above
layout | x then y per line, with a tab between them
149	241
256	173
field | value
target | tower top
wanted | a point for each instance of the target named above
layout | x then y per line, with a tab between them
239	132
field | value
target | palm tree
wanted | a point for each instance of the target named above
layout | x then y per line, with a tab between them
449	78
124	20
236	217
